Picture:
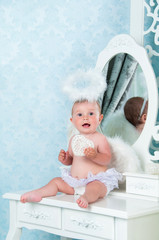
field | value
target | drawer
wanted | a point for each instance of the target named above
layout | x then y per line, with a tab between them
142	184
39	214
88	223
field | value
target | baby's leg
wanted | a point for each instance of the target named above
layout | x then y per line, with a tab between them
94	191
51	189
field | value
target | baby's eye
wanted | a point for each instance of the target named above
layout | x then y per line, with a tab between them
91	113
79	114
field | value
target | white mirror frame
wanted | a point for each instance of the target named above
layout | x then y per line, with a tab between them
124	43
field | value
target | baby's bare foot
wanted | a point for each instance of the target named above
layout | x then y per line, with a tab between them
31	197
82	202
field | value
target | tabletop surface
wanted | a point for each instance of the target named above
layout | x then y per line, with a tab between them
116	206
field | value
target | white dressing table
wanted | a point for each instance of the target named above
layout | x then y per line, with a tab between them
115	217
120	216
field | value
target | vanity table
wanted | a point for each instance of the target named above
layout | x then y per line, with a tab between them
117	217
129	215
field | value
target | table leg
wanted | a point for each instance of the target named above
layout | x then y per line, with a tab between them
14	232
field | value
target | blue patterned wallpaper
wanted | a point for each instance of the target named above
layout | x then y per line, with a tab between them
151	32
151	43
41	42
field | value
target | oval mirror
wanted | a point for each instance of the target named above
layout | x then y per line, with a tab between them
124	48
125	102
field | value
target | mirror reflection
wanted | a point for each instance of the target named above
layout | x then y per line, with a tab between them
125	103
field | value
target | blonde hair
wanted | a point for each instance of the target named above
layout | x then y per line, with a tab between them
85	100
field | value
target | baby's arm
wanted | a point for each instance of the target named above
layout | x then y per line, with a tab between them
103	154
65	158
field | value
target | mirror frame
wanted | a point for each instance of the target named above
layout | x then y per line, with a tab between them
124	43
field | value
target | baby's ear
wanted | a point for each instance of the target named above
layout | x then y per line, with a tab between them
71	119
100	118
143	118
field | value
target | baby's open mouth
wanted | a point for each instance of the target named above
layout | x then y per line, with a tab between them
86	125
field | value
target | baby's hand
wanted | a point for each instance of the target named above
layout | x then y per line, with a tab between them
63	156
90	152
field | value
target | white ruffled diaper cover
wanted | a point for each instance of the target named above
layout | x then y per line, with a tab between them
110	179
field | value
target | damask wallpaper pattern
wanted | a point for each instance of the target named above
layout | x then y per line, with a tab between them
151	43
41	42
151	32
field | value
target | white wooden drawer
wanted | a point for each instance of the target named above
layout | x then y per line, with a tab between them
88	223
39	214
142	184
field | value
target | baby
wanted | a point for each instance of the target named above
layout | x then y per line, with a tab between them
89	155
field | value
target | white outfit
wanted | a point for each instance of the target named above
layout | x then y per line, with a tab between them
110	179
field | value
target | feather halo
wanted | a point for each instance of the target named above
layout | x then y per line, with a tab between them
81	85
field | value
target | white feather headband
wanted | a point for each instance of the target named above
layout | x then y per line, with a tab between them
89	85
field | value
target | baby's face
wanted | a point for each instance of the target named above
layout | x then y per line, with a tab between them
86	117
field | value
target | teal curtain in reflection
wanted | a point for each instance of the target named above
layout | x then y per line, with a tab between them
119	75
